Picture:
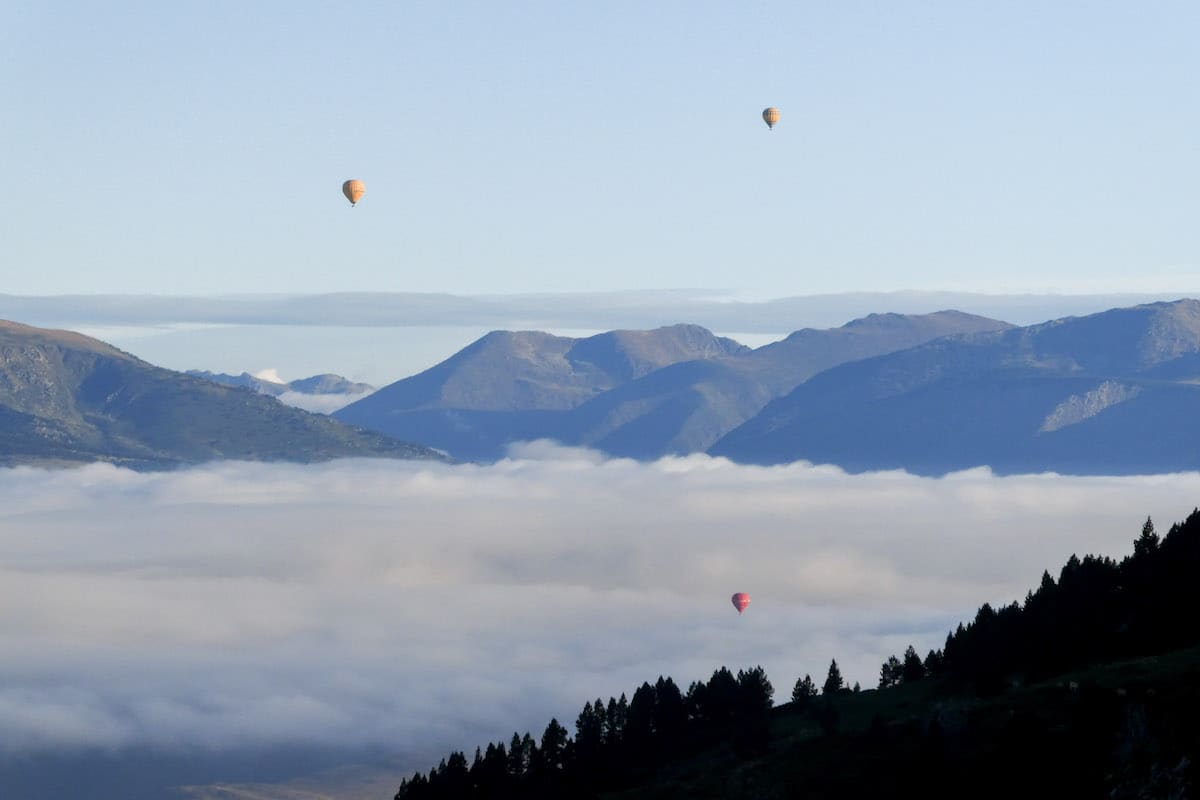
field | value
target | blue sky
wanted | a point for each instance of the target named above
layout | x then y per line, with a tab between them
180	148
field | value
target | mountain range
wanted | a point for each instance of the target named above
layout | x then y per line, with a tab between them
67	398
641	394
1110	393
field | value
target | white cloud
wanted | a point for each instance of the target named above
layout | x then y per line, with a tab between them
424	606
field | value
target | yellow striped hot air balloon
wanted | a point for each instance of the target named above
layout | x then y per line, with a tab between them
353	190
771	116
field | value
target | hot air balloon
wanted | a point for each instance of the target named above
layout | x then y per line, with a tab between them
353	191
771	116
740	601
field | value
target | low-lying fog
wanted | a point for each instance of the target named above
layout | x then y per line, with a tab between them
422	607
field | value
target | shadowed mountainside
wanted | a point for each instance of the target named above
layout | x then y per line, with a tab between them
509	386
630	393
1111	393
686	407
66	398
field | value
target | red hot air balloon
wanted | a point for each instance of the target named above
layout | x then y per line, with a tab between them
740	601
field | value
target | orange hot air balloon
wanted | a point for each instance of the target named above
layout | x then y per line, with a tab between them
353	191
740	601
771	116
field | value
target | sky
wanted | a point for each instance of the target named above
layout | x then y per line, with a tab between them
199	148
414	607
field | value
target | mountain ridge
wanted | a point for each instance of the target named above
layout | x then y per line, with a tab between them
956	403
641	394
67	398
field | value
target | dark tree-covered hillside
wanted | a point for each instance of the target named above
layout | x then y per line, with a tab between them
1097	610
615	744
989	715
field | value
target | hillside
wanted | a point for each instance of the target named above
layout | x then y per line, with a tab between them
1088	688
687	407
66	398
1110	393
509	386
631	393
1122	734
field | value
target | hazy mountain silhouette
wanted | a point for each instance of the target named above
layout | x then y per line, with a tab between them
510	386
687	407
1110	393
65	397
326	383
629	393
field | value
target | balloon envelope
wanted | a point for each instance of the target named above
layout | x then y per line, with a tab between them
353	190
740	601
771	116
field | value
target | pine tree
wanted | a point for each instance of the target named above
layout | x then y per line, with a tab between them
529	753
414	787
833	681
670	713
804	691
890	673
589	738
1047	585
913	669
554	743
720	697
1147	543
491	774
752	730
639	722
755	692
518	756
456	776
614	723
696	700
601	719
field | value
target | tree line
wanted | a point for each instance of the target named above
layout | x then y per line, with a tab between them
1098	609
615	743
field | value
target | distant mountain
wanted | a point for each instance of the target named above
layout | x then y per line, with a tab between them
68	398
635	393
1110	393
317	384
687	407
328	383
513	386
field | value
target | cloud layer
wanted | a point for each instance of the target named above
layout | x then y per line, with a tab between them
380	337
423	606
722	310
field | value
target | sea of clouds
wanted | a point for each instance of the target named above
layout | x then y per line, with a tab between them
426	606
